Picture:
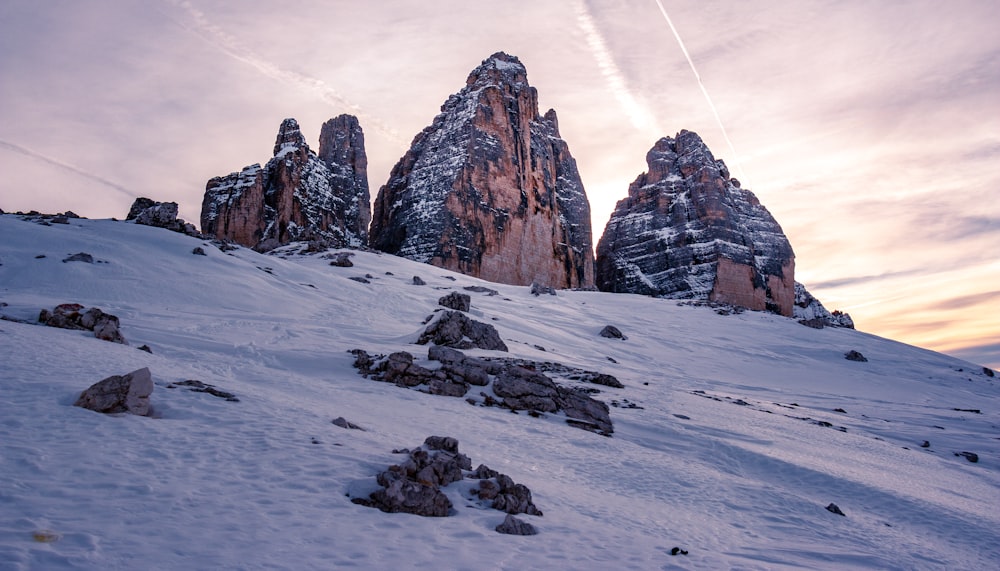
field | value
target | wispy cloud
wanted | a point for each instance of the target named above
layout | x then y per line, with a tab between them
704	90
229	45
640	116
66	167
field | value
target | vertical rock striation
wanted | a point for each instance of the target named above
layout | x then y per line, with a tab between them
297	195
490	189
687	230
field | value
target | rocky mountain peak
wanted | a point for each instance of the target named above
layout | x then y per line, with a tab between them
297	195
498	69
490	188
688	230
289	138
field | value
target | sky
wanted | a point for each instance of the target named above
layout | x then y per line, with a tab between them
870	130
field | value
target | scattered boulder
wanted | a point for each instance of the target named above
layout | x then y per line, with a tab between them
73	316
678	551
80	257
853	355
341	259
514	526
970	456
199	251
344	423
538	289
833	508
925	444
146	348
200	387
481	289
988	372
418	281
456	301
360	279
119	393
455	329
612	332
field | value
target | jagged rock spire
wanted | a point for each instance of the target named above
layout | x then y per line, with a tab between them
490	188
297	195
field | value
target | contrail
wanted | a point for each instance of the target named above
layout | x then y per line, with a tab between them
638	114
231	47
67	167
704	91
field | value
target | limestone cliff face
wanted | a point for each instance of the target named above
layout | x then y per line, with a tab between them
490	189
687	230
297	195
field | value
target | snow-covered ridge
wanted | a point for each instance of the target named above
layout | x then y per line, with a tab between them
727	442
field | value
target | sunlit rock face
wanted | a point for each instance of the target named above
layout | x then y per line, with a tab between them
490	189
688	231
297	195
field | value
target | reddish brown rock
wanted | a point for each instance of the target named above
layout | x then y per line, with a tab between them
490	189
298	195
687	230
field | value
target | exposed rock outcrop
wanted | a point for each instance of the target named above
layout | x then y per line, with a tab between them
298	195
516	382
75	316
148	212
119	393
688	231
414	486
809	311
490	189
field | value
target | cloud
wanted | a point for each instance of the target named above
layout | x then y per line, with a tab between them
640	116
858	280
966	301
229	45
66	167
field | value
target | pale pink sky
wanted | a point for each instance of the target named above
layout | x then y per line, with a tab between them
871	130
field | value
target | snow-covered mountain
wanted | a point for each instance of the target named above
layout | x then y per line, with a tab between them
490	188
687	230
732	434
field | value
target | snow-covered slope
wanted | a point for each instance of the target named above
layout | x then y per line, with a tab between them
727	458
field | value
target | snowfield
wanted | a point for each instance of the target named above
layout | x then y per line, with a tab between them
732	453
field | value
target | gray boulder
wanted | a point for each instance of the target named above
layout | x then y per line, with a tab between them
80	257
119	393
455	329
344	423
853	355
513	498
584	411
538	289
456	301
407	496
612	332
524	389
341	259
514	526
